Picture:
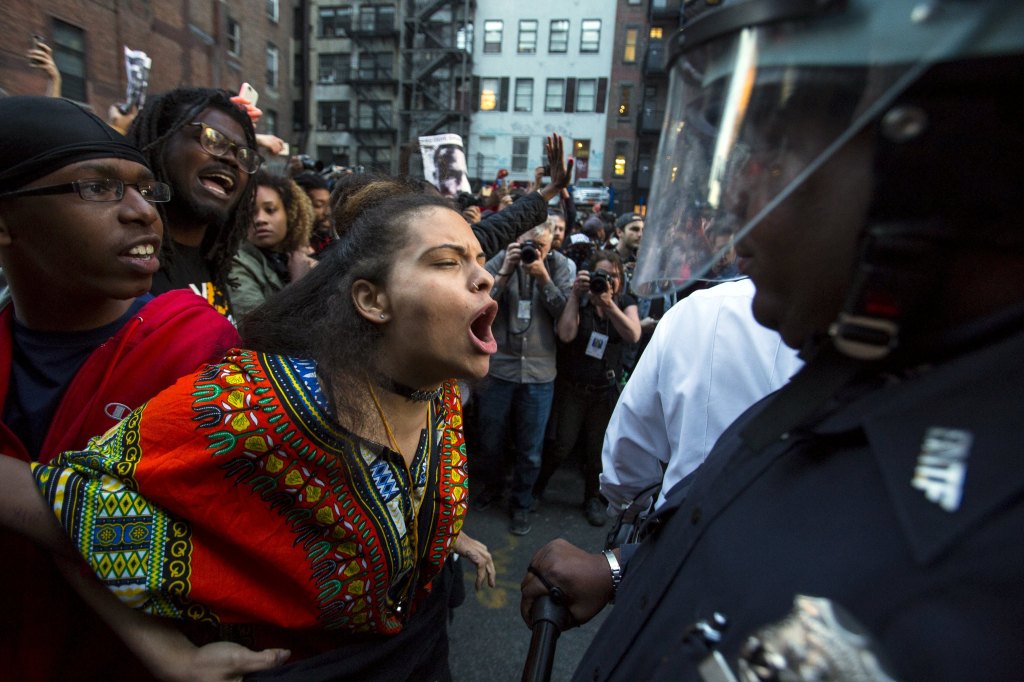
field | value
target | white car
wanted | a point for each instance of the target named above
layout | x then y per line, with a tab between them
590	191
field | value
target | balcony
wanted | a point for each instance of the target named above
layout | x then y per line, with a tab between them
372	76
665	9
654	58
650	121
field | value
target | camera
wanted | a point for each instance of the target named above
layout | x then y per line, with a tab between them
309	163
600	282
466	199
529	251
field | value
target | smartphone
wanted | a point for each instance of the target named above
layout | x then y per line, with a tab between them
38	39
249	93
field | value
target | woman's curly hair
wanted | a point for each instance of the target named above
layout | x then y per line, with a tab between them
298	209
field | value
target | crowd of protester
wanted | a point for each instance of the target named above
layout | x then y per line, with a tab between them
241	406
216	240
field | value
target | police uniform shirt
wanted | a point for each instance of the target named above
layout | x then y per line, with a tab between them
903	504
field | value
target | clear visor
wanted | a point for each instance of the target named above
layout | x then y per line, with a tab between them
751	116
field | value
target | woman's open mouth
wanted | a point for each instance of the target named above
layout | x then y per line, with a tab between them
480	329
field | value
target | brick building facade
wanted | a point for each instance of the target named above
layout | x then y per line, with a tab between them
216	43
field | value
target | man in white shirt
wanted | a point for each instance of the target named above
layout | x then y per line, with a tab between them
708	361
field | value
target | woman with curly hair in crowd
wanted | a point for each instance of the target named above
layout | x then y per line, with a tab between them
276	251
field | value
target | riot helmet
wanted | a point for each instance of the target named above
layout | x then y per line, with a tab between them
765	94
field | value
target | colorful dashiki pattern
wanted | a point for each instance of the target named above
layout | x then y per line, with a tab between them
234	497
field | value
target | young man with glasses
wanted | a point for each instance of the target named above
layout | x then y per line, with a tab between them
204	146
82	343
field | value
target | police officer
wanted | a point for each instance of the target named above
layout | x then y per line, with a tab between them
869	513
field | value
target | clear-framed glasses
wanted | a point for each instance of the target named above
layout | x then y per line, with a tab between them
215	143
99	189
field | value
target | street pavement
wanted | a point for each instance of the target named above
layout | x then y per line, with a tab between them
488	639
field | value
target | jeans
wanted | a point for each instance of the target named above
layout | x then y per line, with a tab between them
526	408
583	413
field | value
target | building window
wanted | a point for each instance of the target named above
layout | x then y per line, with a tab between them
69	55
335	22
527	36
374	158
273	66
234	38
554	94
492	36
590	36
269	121
619	165
558	36
298	115
273	10
377	18
374	116
464	38
334	67
586	94
332	115
524	94
375	66
629	51
520	153
489	93
634	2
625	97
655	33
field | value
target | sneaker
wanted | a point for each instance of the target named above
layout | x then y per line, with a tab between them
595	512
520	523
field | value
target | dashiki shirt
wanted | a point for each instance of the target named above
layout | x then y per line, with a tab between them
234	497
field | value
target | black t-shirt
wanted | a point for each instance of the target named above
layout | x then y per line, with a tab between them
586	370
186	269
42	366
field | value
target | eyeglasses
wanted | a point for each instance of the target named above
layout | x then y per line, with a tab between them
215	143
99	189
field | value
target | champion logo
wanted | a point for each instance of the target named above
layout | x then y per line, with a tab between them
942	466
117	411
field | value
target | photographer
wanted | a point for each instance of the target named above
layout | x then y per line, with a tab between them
531	284
599	319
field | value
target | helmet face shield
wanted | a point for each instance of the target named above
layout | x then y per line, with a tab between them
755	112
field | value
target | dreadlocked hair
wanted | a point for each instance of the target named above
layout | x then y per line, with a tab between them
163	117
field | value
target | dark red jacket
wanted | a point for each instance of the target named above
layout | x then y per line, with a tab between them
46	631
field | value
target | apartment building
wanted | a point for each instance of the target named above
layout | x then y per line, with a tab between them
539	67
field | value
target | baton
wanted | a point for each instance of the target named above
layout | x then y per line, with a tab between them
549	619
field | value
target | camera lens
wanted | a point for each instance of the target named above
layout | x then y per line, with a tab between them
528	252
599	282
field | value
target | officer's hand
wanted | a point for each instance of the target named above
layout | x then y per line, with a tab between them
584	578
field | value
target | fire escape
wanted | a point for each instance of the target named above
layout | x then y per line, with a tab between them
436	68
374	35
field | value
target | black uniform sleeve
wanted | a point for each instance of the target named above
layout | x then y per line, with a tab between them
496	230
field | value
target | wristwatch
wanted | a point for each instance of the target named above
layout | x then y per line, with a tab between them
613	564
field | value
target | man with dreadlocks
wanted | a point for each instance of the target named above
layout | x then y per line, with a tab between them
204	146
